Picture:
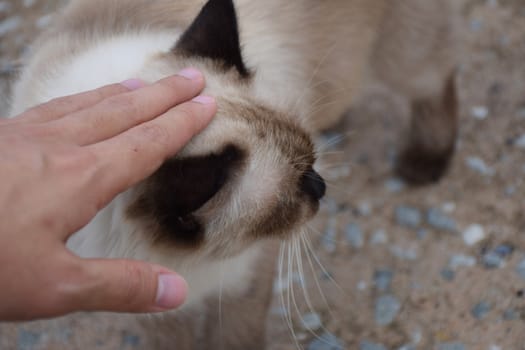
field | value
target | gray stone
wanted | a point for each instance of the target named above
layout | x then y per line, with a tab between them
460	260
366	345
383	279
481	310
327	341
311	321
28	340
440	221
408	347
520	142
394	185
520	269
379	237
448	274
478	165
511	315
408	216
9	25
399	252
386	309
492	260
354	235
129	340
451	346
328	240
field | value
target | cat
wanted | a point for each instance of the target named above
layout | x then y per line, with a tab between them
215	211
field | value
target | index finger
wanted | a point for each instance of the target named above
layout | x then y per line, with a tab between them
135	154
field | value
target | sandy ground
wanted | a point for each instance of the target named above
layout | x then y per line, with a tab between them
440	267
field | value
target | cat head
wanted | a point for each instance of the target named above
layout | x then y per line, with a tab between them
248	176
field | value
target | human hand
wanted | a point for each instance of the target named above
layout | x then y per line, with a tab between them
63	161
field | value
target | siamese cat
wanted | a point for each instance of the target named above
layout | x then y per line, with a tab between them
213	212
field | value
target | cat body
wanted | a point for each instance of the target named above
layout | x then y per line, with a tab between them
295	67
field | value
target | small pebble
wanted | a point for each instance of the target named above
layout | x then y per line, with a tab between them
448	274
520	142
408	216
473	234
494	347
461	261
511	315
327	341
449	207
451	346
492	260
409	254
29	3
478	165
311	322
394	185
366	345
383	279
44	21
129	340
364	209
328	240
362	286
379	237
440	221
4	6
386	309
354	236
408	347
495	258
476	25
510	190
520	269
479	112
28	340
481	310
9	25
422	233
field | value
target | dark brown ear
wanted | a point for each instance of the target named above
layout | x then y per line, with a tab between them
214	34
181	187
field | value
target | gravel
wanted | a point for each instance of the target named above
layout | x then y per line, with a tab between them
478	165
383	279
327	341
481	310
408	216
460	260
311	321
367	345
474	234
437	219
354	235
451	346
520	269
386	309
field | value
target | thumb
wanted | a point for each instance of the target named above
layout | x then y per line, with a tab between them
130	286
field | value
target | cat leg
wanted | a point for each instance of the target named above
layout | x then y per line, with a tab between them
416	55
431	141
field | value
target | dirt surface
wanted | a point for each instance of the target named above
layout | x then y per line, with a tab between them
440	267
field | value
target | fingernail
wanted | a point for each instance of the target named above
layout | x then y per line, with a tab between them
204	100
133	84
190	73
171	291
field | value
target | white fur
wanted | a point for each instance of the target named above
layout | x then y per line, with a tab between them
111	61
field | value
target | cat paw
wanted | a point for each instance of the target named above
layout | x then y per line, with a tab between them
420	167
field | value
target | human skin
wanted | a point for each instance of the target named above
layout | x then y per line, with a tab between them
63	161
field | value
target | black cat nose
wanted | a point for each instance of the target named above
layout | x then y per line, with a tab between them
313	184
